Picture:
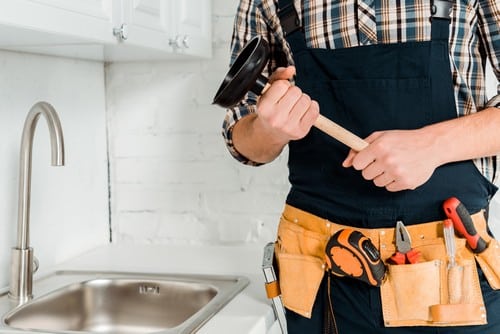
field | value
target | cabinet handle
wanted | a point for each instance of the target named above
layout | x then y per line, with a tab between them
175	43
179	42
185	41
121	32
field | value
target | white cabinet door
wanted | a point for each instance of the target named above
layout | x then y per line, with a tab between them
162	29
147	23
61	20
193	28
111	30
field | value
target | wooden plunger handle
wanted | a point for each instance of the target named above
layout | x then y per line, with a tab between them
335	131
341	134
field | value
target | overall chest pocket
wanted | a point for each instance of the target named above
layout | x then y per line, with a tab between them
368	105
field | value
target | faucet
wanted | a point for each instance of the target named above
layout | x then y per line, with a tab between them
22	261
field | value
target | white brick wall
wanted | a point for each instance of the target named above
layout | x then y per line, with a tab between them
172	179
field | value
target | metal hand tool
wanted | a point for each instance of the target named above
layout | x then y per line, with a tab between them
449	241
455	277
405	254
271	277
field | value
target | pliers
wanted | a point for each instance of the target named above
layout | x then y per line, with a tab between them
404	253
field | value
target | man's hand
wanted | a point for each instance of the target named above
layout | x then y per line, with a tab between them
284	109
284	113
397	160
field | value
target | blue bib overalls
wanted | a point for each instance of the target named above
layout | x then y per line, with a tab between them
367	89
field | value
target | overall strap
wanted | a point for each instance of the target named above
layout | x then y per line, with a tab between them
289	18
440	19
293	32
291	26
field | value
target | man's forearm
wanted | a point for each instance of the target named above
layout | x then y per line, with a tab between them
469	137
405	159
254	141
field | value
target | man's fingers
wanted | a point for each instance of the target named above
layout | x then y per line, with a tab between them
383	180
311	115
348	160
275	93
373	171
291	98
282	73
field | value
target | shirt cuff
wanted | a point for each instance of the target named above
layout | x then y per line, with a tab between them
228	136
494	102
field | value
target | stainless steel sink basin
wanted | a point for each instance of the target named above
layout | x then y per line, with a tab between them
91	302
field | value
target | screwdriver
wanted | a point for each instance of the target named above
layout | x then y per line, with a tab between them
454	272
449	241
463	223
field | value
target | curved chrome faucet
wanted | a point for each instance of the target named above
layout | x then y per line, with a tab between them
21	277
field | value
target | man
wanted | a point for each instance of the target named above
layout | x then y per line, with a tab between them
408	77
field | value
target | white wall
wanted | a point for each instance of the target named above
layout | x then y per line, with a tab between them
69	211
172	179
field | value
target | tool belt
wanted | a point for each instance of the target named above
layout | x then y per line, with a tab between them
412	294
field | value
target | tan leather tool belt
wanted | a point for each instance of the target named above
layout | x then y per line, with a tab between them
423	294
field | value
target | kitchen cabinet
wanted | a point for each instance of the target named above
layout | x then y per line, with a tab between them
173	27
143	29
107	30
193	27
69	20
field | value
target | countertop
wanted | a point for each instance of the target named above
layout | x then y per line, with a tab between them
250	311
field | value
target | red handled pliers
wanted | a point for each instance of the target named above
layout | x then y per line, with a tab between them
404	253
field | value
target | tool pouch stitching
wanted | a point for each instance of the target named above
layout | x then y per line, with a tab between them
418	294
300	250
299	254
489	261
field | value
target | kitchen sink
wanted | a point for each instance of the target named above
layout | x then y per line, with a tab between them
121	303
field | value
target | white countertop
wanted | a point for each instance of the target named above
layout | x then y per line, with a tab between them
250	311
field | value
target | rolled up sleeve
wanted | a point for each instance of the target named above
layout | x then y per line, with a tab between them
253	17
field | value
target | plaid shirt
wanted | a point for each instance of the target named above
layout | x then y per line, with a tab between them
474	38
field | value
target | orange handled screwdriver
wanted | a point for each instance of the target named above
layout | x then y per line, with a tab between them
462	221
350	253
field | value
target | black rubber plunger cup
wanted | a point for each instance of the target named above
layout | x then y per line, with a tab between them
245	74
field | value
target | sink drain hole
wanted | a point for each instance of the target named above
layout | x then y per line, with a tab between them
149	289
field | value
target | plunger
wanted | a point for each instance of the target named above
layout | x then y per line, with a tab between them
246	75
